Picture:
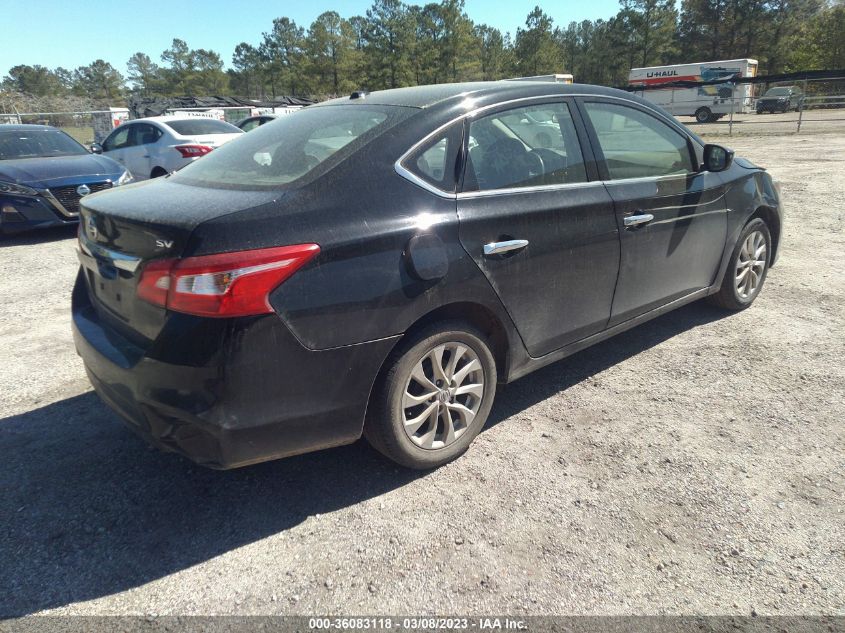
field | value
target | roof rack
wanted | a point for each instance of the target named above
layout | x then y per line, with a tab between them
560	78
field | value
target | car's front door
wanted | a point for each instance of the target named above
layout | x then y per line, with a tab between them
116	143
538	222
671	215
137	155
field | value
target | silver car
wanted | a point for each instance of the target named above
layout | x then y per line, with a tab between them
156	146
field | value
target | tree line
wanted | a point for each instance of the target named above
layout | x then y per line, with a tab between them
397	44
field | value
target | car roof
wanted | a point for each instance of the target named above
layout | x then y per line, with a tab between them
431	95
168	118
24	127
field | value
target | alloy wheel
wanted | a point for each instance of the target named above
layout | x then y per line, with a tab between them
442	395
750	265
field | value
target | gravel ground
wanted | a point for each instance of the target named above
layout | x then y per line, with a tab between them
692	465
813	121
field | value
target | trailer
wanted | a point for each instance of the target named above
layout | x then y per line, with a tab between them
706	103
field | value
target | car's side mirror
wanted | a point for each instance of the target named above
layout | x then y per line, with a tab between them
95	148
717	158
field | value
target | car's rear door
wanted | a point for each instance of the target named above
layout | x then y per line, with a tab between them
671	216
538	222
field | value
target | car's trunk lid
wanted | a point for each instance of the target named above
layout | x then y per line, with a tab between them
125	229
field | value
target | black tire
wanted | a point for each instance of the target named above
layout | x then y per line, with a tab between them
158	172
703	115
729	296
384	428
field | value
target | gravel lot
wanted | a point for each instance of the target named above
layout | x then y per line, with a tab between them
813	121
692	465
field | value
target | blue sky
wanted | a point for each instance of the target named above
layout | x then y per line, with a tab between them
71	34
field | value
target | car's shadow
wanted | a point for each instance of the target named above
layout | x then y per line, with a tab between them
39	236
89	511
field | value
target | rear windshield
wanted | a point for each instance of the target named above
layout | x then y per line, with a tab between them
306	143
194	127
37	144
778	92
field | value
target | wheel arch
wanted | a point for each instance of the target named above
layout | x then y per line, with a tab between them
476	315
772	220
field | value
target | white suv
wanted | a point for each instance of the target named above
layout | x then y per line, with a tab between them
156	146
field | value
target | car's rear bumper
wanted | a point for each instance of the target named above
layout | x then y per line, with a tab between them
251	394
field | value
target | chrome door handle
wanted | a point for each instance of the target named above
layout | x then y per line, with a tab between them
633	221
499	248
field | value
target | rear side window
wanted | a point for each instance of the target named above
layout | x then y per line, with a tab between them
636	144
194	127
434	162
524	147
299	145
146	134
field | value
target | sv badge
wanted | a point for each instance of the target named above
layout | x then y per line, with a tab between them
164	243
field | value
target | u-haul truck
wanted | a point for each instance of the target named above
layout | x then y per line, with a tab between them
705	103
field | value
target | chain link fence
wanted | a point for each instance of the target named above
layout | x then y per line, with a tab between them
85	126
801	105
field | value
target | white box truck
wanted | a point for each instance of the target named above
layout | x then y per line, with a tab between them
705	103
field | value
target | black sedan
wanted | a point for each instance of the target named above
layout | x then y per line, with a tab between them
376	265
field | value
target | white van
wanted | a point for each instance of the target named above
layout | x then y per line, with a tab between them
705	103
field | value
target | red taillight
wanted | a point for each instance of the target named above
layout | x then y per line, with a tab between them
155	281
224	285
192	151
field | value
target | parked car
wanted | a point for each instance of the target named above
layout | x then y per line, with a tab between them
156	146
355	269
250	123
44	173
780	99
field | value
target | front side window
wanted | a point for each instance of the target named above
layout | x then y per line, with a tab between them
118	139
523	147
303	144
636	144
